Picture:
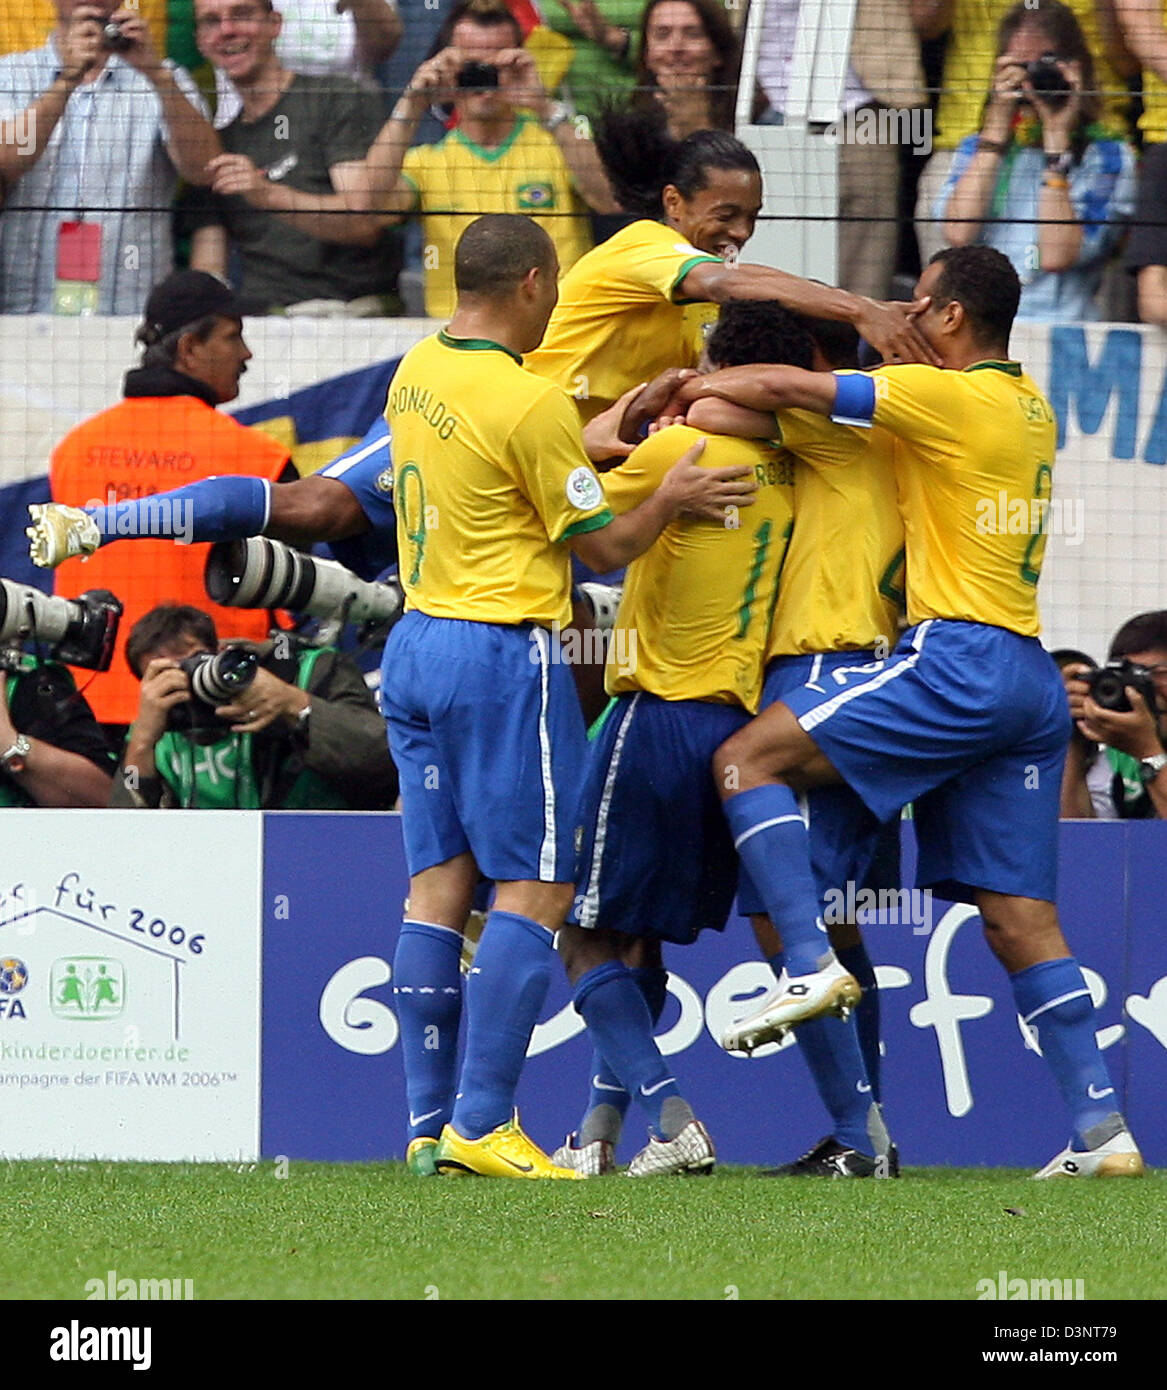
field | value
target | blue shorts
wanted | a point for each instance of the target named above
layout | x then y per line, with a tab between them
486	731
847	842
657	858
970	723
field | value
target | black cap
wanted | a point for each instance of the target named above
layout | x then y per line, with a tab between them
183	299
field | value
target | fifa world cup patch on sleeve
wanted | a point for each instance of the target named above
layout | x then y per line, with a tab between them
584	490
536	195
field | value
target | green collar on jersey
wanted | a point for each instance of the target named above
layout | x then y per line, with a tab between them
1013	368
475	345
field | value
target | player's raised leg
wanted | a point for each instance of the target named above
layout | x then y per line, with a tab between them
752	771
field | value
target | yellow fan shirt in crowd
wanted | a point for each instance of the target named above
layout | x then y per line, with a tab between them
457	180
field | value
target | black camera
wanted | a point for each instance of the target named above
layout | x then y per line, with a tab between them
114	37
77	631
1108	686
216	678
1048	81
475	76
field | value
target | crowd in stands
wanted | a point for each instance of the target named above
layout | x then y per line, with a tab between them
280	146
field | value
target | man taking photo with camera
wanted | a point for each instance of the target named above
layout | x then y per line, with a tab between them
95	131
497	158
1123	707
284	727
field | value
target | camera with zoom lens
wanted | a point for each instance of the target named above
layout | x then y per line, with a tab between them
475	76
1048	81
76	631
263	573
1108	686
114	39
216	678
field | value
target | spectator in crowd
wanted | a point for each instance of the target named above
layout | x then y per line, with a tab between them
52	752
1040	181
325	38
496	159
304	734
884	71
688	62
92	143
1128	780
967	77
1146	35
604	34
291	191
167	428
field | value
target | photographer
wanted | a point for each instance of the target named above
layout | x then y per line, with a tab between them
497	159
95	131
52	751
1133	740
1042	181
303	734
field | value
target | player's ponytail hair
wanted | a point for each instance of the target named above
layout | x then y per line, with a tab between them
640	157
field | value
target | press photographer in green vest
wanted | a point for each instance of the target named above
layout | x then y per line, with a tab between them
276	726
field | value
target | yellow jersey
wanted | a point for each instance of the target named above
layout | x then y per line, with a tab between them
489	476
696	607
843	584
1153	121
974	456
457	181
619	320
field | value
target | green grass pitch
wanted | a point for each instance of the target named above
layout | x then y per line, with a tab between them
369	1231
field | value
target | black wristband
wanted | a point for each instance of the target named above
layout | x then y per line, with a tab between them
991	146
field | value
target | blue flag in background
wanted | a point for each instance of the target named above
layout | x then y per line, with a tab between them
321	421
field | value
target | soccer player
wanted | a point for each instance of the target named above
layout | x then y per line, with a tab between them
622	316
839	607
967	718
492	489
657	862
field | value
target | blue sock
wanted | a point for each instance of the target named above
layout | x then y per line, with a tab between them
229	508
1053	1000
427	991
507	985
606	1087
611	1003
770	836
856	960
835	1062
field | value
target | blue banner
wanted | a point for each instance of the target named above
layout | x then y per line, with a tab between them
962	1086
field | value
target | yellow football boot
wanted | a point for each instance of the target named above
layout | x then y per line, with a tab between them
505	1152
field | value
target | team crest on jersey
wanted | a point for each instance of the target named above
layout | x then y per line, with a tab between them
384	481
584	490
536	195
